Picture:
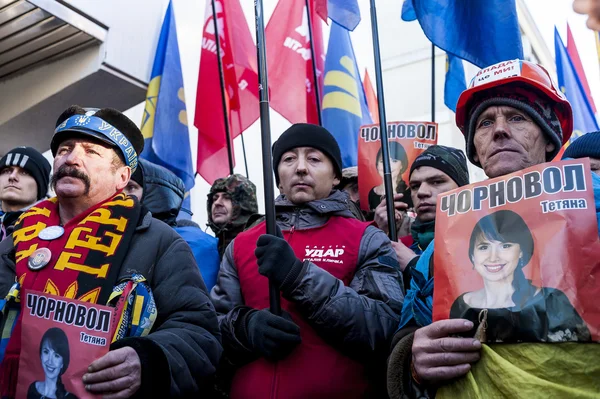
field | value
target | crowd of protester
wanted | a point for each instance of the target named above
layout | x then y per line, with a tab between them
356	318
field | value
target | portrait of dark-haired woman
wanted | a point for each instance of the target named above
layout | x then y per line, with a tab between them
55	356
398	165
501	245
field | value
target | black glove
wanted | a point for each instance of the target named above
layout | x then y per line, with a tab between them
277	260
271	336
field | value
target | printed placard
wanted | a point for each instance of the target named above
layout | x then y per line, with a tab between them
60	338
406	141
521	257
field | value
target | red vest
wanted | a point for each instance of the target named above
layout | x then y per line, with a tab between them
314	369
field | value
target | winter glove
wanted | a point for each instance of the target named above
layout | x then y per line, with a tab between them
271	336
277	260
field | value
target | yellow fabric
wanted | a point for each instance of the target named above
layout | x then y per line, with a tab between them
566	370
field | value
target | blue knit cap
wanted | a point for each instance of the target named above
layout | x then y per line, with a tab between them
587	145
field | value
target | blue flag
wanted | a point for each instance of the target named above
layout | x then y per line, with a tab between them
570	84
455	81
344	102
481	32
164	126
344	12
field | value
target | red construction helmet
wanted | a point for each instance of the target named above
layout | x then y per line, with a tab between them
516	71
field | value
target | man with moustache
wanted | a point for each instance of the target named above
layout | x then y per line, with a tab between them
94	243
24	178
339	280
513	117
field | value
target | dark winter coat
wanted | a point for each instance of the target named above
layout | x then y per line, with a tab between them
181	353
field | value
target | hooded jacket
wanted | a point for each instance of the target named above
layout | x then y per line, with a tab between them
163	195
243	200
357	319
163	192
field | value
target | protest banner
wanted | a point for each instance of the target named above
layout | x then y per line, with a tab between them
60	338
520	259
406	141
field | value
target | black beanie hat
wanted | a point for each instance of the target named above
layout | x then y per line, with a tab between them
33	162
451	161
587	145
307	135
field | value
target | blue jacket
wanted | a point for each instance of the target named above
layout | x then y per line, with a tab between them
204	248
418	302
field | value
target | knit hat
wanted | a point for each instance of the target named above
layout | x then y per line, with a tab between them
307	135
528	100
33	162
587	145
449	160
107	125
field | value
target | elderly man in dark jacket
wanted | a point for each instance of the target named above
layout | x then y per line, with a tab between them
102	243
339	278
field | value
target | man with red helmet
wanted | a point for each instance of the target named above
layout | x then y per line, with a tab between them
513	117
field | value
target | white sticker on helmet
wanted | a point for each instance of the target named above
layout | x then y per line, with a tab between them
502	70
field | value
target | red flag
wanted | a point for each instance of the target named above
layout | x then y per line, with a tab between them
574	54
371	98
321	9
238	54
291	80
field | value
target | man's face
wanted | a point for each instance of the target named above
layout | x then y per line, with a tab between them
306	174
222	209
133	188
595	165
17	186
426	183
86	170
507	140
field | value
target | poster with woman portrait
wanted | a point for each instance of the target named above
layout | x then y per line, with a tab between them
518	256
406	141
60	338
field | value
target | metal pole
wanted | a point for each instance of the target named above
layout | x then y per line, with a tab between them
265	130
222	81
432	82
314	62
385	152
244	151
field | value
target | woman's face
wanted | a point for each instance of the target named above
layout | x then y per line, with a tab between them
52	362
495	260
395	167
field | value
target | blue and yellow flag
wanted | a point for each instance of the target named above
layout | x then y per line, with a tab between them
344	104
481	32
569	82
455	81
164	126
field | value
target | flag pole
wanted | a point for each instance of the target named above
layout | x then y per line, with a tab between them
432	82
222	82
244	151
314	62
385	152
265	130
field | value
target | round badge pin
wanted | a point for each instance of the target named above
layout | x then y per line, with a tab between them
51	233
39	258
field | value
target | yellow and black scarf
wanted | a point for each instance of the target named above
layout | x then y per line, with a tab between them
85	260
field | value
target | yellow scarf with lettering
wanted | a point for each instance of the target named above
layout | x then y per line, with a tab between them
84	262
